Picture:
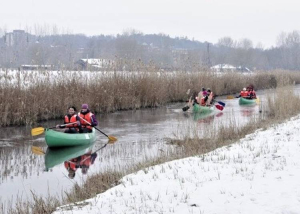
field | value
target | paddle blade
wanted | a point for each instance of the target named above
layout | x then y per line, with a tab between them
185	108
257	100
221	103
112	138
37	131
230	97
219	107
37	150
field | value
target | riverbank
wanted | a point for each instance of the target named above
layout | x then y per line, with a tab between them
258	174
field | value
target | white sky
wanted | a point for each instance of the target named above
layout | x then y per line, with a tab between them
260	174
203	20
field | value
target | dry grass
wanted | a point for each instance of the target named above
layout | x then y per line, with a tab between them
94	185
48	96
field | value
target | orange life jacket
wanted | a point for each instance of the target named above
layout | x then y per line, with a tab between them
70	165
71	120
88	118
244	93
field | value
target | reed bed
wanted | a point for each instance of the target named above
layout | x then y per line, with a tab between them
29	97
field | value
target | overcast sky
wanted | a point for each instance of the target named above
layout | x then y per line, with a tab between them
203	20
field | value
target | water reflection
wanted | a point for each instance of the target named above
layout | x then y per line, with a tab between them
72	156
248	111
83	162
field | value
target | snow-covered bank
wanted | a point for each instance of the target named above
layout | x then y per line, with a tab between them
259	174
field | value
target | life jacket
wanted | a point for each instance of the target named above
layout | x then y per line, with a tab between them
244	93
70	165
88	118
253	94
202	101
72	119
86	160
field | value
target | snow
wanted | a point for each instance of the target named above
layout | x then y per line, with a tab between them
258	174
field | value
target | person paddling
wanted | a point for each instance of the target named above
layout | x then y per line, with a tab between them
210	97
243	93
71	117
251	94
87	119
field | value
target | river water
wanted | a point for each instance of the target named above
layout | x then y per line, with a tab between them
141	136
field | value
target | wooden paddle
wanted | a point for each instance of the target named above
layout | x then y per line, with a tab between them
37	150
230	97
111	138
41	130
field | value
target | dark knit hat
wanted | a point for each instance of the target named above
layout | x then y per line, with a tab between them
84	106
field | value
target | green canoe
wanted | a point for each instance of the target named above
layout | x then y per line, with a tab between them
203	109
244	101
60	139
201	112
55	156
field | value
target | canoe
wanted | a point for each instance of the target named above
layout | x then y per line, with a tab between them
61	139
203	109
201	112
244	101
55	156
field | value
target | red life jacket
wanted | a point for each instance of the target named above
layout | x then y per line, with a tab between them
70	165
252	94
202	101
244	93
86	160
88	118
71	120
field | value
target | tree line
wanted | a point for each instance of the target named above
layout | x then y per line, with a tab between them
63	50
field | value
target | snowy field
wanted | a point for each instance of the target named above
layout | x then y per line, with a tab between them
25	79
259	174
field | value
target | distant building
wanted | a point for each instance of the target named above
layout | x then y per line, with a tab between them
17	37
87	64
228	67
35	67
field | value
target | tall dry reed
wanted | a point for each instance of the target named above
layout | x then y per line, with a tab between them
29	97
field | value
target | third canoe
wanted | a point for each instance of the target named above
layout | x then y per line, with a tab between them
244	101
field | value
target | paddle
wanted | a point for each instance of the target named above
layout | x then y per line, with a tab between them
108	142
219	107
111	138
221	103
37	150
41	130
185	108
